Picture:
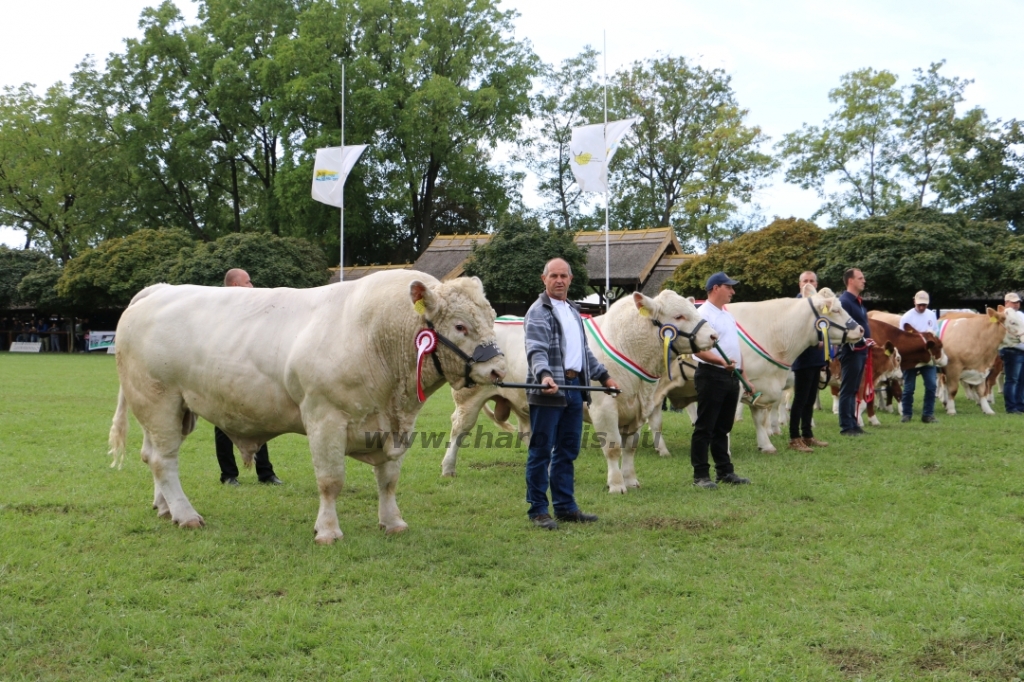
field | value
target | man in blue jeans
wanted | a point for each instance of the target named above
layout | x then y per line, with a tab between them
852	358
1013	367
921	319
557	354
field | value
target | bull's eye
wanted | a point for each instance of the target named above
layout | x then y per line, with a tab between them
461	328
680	317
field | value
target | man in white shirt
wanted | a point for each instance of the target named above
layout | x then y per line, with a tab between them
1013	367
718	389
921	319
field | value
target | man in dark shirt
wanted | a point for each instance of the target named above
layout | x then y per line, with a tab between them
852	358
806	370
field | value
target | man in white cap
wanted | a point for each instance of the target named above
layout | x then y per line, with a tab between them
923	320
1013	367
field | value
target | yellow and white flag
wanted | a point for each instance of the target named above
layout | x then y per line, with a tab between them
330	170
590	152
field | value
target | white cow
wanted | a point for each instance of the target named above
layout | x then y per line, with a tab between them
782	329
631	327
337	363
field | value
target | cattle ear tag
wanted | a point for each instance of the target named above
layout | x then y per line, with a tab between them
420	307
887	353
644	312
993	320
824	310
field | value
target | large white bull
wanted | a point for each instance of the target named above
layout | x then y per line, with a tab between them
628	341
773	333
337	363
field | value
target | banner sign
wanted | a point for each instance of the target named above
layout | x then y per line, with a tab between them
101	340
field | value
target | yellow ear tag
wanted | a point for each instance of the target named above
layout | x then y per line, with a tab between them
420	307
644	312
824	310
887	353
992	320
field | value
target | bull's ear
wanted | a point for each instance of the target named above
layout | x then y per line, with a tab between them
889	348
808	290
994	316
691	299
645	305
1001	308
908	328
423	298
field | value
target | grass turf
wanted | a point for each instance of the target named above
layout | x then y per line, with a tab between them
897	556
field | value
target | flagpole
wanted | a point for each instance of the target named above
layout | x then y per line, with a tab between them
607	249
341	237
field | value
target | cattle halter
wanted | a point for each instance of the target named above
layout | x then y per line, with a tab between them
482	353
668	333
822	324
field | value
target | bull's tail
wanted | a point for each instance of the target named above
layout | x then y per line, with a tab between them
119	430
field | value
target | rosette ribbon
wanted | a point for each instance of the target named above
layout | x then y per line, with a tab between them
426	343
668	334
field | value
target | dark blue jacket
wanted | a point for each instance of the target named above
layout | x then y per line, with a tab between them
855	309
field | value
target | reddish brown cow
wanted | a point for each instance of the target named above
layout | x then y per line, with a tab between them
885	364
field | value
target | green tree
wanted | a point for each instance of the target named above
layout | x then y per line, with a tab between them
271	261
444	81
53	169
946	254
767	262
986	174
510	264
569	97
857	148
690	158
110	274
39	287
15	264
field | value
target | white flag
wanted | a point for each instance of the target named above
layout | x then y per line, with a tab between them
588	155
330	171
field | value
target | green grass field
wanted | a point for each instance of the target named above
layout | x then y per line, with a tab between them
898	556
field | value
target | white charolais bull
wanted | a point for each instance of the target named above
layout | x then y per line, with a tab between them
772	335
337	363
628	341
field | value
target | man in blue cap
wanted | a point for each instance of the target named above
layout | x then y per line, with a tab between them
718	389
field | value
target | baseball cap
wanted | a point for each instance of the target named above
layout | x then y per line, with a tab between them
921	297
1011	297
719	278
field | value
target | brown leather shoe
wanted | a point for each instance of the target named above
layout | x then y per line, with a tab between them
815	443
798	445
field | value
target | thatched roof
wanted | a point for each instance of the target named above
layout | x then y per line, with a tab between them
634	254
663	270
446	255
358	271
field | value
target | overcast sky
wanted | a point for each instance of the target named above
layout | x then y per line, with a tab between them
784	56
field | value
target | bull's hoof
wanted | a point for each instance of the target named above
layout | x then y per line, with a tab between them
619	488
768	451
447	474
633	484
328	537
164	514
396	529
664	453
194	522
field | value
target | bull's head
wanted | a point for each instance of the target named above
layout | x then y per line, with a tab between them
932	344
463	320
841	327
669	308
1013	320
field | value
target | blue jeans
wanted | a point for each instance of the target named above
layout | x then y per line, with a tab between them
1013	372
928	375
554	446
852	363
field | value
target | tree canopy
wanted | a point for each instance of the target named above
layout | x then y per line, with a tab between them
511	263
767	262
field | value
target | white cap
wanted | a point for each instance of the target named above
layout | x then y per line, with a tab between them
1011	297
921	297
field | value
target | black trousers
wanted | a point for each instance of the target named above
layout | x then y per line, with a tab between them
805	389
717	394
226	458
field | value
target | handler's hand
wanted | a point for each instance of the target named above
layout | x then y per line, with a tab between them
552	387
610	383
731	367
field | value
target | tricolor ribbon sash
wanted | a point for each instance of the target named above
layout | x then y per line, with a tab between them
754	346
943	326
426	343
615	354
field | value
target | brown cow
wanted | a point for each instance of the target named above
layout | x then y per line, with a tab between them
972	342
885	364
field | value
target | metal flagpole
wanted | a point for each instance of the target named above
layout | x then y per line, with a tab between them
341	237
607	249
